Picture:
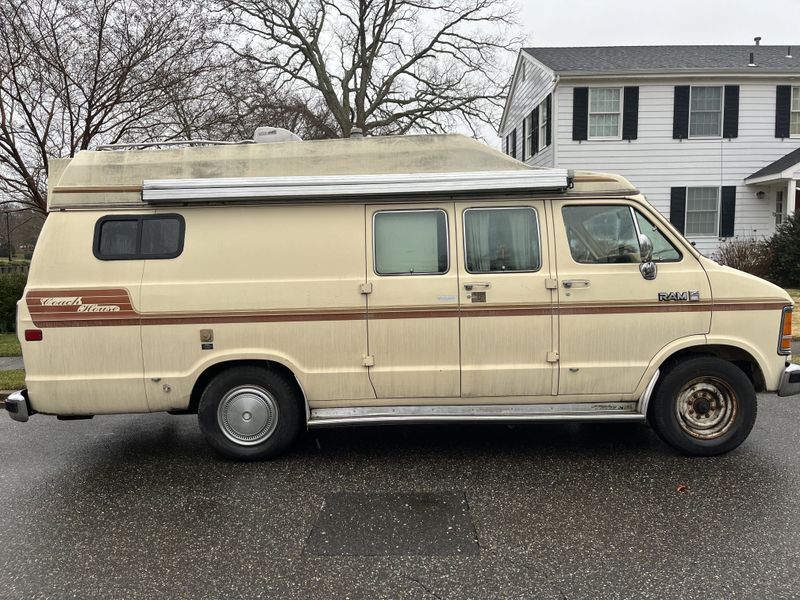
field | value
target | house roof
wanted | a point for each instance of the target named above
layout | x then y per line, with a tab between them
779	166
637	59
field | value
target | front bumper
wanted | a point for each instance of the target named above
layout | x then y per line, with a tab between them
18	407
790	381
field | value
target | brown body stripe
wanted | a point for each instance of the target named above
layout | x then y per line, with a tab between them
81	313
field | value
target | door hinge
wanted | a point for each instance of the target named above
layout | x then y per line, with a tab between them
366	288
369	361
552	357
550	283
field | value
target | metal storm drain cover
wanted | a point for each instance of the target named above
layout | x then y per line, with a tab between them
372	524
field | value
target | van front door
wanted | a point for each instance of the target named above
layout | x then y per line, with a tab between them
412	301
506	301
613	321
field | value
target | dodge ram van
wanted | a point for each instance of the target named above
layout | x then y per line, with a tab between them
273	287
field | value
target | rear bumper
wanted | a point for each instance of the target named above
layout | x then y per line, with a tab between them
790	381
18	407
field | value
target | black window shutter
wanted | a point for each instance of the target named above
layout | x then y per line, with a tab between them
548	136
727	212
514	143
524	132
535	129
580	113
730	119
783	107
680	114
630	113
677	207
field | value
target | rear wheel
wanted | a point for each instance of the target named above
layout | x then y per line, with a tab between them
704	406
250	413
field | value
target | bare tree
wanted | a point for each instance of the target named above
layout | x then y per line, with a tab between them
78	72
386	66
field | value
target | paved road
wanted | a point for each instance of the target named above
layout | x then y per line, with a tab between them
138	507
11	363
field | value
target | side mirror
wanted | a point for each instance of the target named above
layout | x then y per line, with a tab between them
647	268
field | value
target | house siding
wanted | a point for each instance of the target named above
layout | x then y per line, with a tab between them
527	94
655	161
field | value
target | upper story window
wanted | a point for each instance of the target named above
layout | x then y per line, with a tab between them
605	105
530	131
794	119
137	237
705	111
702	211
498	240
544	123
410	242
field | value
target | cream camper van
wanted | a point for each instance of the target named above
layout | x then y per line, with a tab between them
274	287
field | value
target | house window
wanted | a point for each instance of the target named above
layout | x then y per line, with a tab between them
513	142
705	112
778	208
604	113
794	122
529	135
702	211
544	123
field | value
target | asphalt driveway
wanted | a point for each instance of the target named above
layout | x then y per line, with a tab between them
139	507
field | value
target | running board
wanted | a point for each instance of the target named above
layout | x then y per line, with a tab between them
366	415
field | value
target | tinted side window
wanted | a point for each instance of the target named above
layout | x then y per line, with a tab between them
601	234
117	238
411	242
501	240
138	237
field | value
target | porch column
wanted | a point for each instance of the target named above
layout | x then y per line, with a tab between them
790	192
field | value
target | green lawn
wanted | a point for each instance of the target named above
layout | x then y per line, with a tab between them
12	380
9	345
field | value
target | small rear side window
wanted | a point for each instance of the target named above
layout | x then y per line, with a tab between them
138	237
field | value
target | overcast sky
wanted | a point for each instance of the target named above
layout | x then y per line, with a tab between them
642	22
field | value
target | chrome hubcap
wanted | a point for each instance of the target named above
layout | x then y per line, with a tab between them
706	407
247	415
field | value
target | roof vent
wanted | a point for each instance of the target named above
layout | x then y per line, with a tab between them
789	52
757	40
752	62
271	135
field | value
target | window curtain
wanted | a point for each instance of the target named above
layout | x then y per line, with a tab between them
477	230
522	234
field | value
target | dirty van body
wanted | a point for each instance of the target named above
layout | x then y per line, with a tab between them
274	287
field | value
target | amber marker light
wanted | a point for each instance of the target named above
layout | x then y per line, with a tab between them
785	342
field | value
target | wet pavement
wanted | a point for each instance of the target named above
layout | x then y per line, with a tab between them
139	507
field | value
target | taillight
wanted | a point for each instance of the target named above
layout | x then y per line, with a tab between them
33	335
785	341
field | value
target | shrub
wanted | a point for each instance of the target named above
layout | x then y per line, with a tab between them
749	255
785	247
11	288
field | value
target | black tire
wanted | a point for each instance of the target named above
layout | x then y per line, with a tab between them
704	406
250	413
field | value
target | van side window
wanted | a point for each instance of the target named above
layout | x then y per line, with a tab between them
132	237
498	240
663	250
601	234
410	242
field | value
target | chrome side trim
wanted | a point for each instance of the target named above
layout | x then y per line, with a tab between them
601	411
16	406
644	401
155	191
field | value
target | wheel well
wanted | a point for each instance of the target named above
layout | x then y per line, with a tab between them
206	376
741	358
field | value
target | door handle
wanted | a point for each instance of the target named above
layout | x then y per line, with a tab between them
471	286
573	283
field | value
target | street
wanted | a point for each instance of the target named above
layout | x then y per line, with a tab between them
139	507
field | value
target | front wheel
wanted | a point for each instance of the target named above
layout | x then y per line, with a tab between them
250	413
704	406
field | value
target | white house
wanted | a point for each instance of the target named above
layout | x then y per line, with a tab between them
710	134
